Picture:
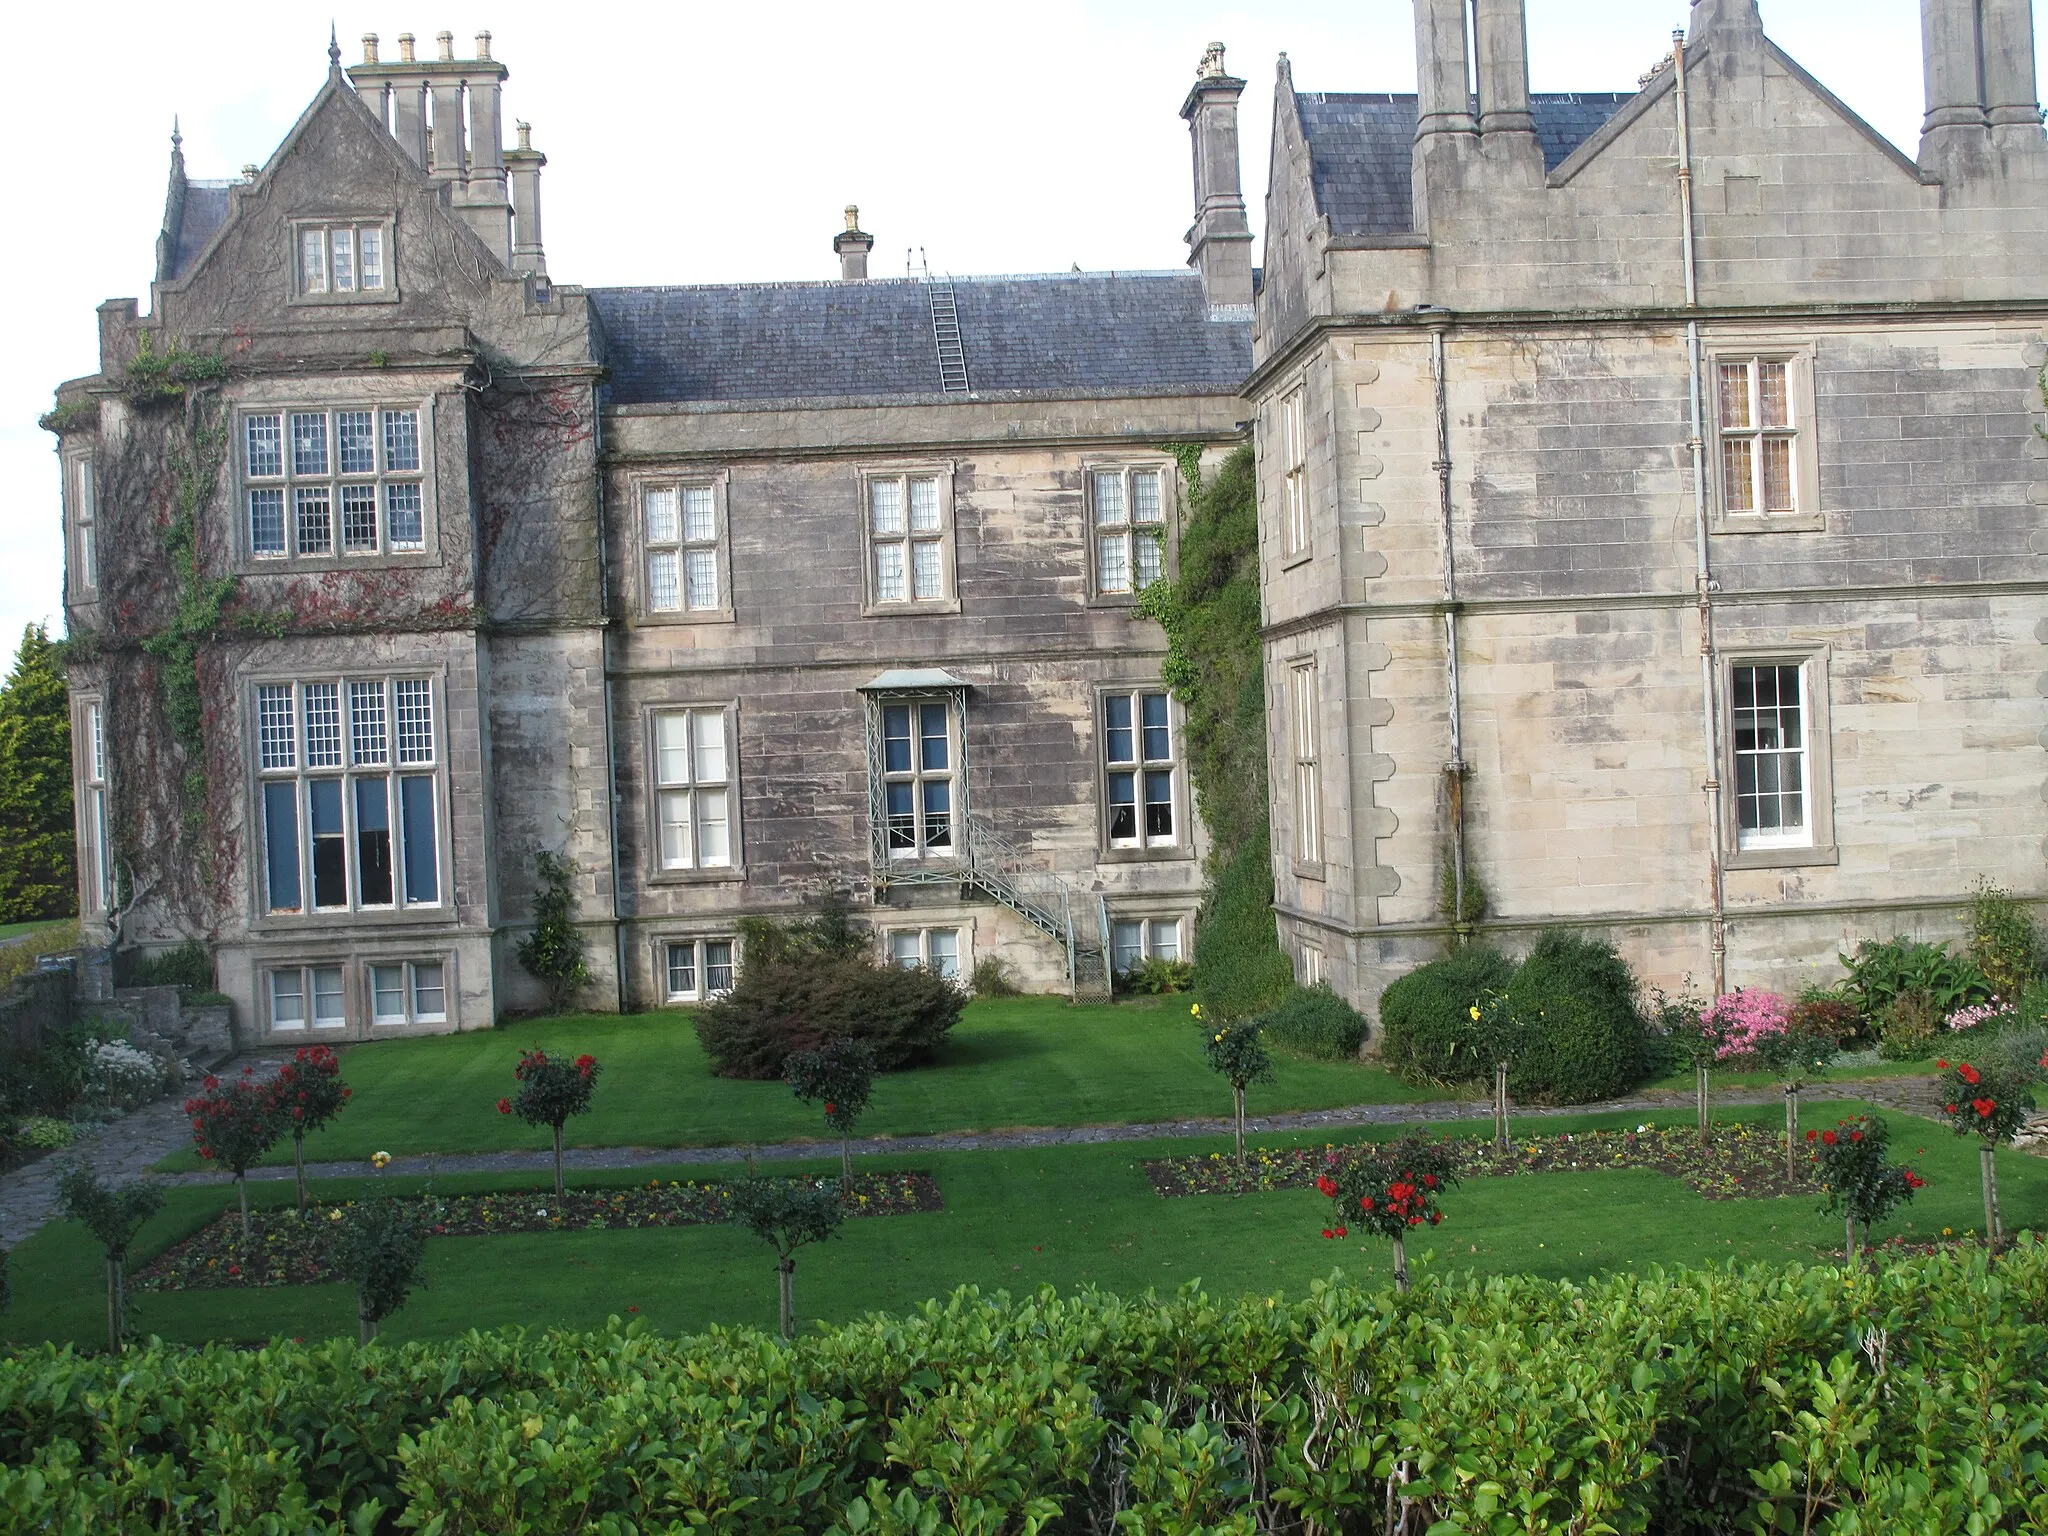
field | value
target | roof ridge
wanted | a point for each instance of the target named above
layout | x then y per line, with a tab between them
956	278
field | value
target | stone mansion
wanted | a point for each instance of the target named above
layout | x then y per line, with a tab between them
1653	519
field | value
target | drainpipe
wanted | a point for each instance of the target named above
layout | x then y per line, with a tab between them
611	740
1703	570
1454	770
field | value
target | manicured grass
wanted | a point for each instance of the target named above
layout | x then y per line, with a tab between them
16	930
1065	1216
1011	1062
1863	1072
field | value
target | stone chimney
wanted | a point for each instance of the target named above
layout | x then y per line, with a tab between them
852	245
1955	134
2011	98
1443	84
1507	127
423	102
1220	240
523	165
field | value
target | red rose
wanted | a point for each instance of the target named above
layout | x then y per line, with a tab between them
1414	1221
1810	1135
1343	1232
831	1109
1943	1065
1855	1135
1365	1202
1435	1217
1328	1233
1327	1185
504	1106
1828	1138
1968	1073
1984	1107
1429	1180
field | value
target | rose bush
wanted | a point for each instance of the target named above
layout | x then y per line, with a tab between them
1863	1185
1389	1189
551	1092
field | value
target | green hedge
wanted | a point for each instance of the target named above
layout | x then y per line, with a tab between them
1317	1022
1587	1039
1765	1399
1425	1014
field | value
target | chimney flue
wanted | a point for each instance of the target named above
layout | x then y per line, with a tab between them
483	45
447	42
405	45
370	48
852	245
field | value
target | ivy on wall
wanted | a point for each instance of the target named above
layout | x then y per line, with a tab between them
1215	665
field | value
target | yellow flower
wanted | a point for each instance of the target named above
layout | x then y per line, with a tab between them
1219	1039
380	1159
1195	1009
1475	1012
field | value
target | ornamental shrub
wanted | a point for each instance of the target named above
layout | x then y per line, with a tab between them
1820	1011
122	1077
995	977
553	952
1238	1056
1880	972
1315	1021
233	1125
1585	1040
1425	1015
113	1214
1989	1017
1389	1189
1745	1020
308	1093
801	1001
1909	1027
383	1255
1863	1186
1650	1401
187	966
840	1075
1156	976
2003	940
552	1090
786	1214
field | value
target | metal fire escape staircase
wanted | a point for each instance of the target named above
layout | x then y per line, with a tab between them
982	860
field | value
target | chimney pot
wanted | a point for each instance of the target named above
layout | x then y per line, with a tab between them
483	45
1212	62
369	48
447	42
852	218
405	42
525	135
852	245
249	172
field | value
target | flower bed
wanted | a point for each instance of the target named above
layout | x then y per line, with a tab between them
1741	1162
285	1250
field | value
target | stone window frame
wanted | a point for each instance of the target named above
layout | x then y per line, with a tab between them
1311	961
945	472
1148	912
1169	520
288	481
719	480
309	970
366	977
81	503
1814	665
961	928
697	940
95	856
299	225
355	915
716	874
1801	358
1307	834
1297	520
1183	845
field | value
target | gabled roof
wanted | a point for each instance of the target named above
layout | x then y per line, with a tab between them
1073	334
1361	144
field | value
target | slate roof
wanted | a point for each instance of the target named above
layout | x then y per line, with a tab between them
1359	147
204	210
1076	334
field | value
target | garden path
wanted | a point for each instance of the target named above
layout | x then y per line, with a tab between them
131	1146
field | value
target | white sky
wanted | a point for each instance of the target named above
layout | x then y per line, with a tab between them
698	143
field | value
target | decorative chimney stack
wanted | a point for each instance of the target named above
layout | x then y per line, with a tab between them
852	245
423	102
1443	99
523	166
1955	137
2011	98
1220	240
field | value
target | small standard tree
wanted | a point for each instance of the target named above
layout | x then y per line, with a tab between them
233	1125
553	952
113	1214
551	1093
841	1075
1695	1041
1496	1038
1240	1058
786	1214
1989	1102
308	1094
383	1255
1796	1057
1862	1186
1389	1190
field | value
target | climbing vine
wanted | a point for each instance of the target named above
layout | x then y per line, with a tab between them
1215	666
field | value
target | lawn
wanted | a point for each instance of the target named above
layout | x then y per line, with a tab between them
16	930
1011	1062
1873	1071
1065	1216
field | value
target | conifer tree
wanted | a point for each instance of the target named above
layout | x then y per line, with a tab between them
38	851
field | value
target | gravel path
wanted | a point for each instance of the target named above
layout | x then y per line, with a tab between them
131	1146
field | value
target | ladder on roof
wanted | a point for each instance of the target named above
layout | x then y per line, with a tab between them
946	335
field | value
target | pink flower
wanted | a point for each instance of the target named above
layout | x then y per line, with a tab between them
504	1106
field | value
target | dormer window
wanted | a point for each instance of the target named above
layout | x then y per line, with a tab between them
343	260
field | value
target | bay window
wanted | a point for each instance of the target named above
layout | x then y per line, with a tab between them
321	484
349	780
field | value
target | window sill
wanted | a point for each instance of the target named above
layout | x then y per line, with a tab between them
1781	858
1298	558
1753	522
1179	853
319	300
307	565
929	605
299	923
735	874
1308	869
650	618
